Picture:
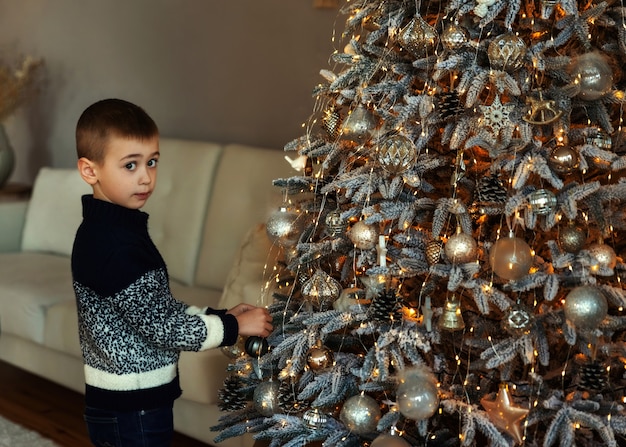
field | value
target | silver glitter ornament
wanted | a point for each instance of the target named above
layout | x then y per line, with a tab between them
585	307
417	394
265	398
360	414
542	201
572	238
563	159
510	258
397	154
506	52
604	255
363	236
284	226
592	73
461	248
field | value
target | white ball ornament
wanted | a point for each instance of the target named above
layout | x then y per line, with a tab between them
593	74
417	394
585	307
363	236
510	258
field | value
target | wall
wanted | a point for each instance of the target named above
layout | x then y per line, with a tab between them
226	71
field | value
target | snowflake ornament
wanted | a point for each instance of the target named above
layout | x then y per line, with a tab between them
496	116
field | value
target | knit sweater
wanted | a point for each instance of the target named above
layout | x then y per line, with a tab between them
131	328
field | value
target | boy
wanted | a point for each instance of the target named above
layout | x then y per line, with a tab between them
131	328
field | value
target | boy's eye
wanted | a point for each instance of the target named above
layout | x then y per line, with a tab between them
153	162
130	166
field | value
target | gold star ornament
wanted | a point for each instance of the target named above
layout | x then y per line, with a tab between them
504	414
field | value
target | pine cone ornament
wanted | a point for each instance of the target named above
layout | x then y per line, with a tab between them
385	307
332	122
491	195
593	376
288	399
449	105
232	396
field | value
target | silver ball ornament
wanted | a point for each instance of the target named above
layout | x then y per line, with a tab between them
417	394
572	238
461	248
314	419
510	258
284	226
359	124
360	414
542	201
265	398
604	255
585	307
593	74
363	236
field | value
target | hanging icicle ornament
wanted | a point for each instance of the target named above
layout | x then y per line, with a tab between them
593	74
461	247
360	414
359	124
451	319
510	257
396	154
265	398
585	307
284	226
506	52
564	159
321	290
572	238
319	357
417	395
363	236
504	415
542	201
454	36
418	37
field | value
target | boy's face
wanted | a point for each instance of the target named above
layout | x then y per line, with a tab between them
128	174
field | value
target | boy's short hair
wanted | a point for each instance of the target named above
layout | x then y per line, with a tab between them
111	118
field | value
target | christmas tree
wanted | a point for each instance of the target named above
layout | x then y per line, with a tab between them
451	249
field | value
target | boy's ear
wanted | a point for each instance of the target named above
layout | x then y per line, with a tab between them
87	170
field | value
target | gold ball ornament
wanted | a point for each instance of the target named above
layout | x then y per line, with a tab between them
592	73
359	124
572	238
418	37
319	357
360	414
284	226
454	36
417	394
461	248
585	307
397	154
265	398
363	236
510	258
506	52
542	201
604	255
563	159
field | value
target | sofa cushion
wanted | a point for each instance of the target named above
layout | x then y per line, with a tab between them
243	194
178	205
30	283
54	211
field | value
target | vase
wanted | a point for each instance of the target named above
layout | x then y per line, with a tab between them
7	157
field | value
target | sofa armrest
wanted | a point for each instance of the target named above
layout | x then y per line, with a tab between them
12	219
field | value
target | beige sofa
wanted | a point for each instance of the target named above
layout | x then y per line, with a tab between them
206	218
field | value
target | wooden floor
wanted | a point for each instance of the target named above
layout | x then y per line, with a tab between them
52	410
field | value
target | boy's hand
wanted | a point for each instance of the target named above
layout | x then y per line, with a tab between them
252	320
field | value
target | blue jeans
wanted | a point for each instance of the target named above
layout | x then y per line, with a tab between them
143	428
